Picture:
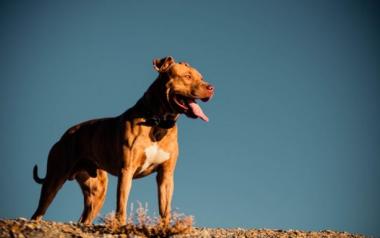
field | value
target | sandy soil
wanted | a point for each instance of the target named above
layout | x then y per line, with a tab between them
19	228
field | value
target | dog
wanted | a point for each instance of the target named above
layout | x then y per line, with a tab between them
137	143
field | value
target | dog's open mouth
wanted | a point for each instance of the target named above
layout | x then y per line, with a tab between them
190	107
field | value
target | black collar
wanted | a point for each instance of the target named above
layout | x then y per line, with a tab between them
159	121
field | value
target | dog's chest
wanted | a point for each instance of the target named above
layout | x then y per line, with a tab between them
154	155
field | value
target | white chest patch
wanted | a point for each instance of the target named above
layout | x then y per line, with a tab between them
154	155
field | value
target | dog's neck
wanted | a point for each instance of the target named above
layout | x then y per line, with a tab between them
154	107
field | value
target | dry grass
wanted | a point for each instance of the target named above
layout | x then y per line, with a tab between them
140	223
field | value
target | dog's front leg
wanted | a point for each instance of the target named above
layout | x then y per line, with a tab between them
165	184
124	185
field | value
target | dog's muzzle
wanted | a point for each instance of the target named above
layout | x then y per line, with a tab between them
190	107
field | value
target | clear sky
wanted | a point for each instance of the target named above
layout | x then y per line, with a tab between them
293	138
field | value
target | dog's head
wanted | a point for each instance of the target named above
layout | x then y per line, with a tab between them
184	85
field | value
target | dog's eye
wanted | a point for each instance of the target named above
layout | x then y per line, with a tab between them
188	76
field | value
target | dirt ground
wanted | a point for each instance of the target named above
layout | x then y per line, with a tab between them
19	228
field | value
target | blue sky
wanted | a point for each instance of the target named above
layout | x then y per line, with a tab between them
293	138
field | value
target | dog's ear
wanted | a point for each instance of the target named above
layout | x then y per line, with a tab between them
162	65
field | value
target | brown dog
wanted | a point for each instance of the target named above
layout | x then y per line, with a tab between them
135	144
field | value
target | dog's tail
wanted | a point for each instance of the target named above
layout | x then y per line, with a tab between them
35	175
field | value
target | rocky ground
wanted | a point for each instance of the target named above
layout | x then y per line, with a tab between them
19	228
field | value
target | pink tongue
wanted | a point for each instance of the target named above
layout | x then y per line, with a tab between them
197	110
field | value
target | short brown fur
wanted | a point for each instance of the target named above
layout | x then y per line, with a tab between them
87	151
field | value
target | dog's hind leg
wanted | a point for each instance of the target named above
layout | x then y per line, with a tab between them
55	178
48	191
94	193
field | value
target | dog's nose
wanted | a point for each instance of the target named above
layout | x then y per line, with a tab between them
210	87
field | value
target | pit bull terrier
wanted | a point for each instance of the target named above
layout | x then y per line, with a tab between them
135	144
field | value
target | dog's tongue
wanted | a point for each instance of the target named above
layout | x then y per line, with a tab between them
197	110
